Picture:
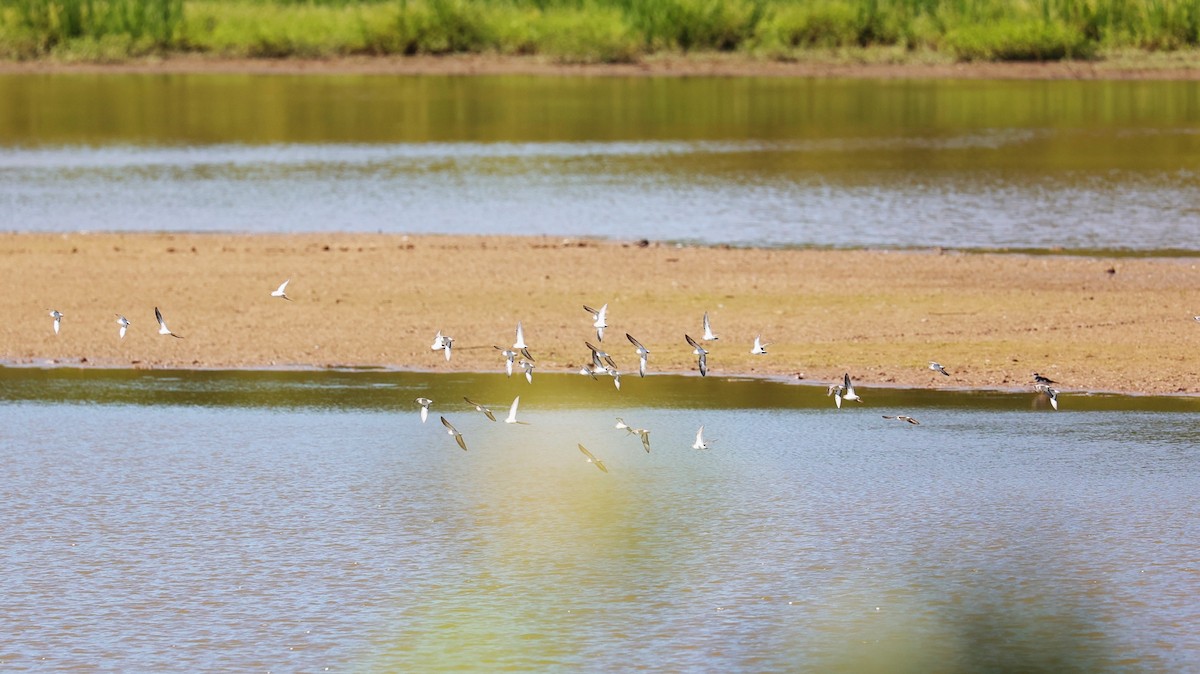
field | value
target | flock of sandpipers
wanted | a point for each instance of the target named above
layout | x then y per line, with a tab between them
600	363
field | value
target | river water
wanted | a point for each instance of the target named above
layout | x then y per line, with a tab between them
304	521
299	521
1088	166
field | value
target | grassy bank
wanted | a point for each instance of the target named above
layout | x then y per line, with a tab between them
593	31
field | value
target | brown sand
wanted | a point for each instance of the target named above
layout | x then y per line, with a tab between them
1184	65
377	300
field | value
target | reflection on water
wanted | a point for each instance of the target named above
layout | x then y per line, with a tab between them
329	529
1078	165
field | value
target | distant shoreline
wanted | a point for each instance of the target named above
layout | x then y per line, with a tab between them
1183	66
1121	325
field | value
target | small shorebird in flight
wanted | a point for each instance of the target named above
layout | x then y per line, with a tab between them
902	417
937	367
124	323
600	359
644	434
643	354
622	426
486	412
1050	392
701	354
509	357
162	326
57	316
849	393
528	367
454	431
708	333
759	349
512	413
601	322
700	443
439	342
836	391
1039	379
591	458
424	403
612	372
281	291
520	343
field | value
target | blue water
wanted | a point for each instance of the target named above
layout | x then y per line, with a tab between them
340	532
1089	166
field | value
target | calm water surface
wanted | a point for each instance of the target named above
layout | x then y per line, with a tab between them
1076	165
298	521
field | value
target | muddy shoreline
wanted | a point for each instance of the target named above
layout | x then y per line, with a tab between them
1181	66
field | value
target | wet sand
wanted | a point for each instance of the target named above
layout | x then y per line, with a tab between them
1181	65
1092	324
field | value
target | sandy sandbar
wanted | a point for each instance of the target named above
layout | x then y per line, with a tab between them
1092	324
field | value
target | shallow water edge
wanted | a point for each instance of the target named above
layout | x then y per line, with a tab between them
374	389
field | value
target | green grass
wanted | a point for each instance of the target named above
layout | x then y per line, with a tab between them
593	30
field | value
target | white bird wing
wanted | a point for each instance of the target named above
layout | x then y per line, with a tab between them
708	333
699	438
282	288
512	411
520	343
592	458
643	351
